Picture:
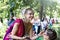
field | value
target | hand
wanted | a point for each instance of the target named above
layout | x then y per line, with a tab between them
8	36
41	33
23	37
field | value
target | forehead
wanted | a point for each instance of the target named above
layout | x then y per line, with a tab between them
30	12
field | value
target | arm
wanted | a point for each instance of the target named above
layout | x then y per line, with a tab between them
35	36
14	30
32	35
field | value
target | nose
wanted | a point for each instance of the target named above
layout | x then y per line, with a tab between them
32	16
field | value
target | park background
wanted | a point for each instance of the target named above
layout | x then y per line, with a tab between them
42	8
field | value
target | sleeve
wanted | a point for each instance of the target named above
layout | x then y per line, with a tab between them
18	20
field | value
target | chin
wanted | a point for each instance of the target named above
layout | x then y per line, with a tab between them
29	19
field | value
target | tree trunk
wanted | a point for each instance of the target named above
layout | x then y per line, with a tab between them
41	12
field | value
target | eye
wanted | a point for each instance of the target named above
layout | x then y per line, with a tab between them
46	34
31	13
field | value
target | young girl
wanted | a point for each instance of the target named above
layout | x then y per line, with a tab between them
49	34
21	28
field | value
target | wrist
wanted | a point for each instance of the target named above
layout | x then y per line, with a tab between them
39	35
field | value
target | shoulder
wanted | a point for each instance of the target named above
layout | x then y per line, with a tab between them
18	20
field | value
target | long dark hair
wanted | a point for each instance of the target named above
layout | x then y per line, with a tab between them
52	34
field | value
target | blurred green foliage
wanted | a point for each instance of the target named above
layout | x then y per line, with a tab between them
49	7
42	7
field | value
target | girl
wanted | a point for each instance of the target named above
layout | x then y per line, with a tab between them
49	34
21	28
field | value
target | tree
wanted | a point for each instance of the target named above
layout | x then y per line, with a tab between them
44	7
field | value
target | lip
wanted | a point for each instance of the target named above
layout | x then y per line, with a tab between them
30	17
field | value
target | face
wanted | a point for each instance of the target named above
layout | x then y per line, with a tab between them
46	37
29	15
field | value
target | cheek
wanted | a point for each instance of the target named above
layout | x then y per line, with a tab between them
28	17
46	37
32	17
